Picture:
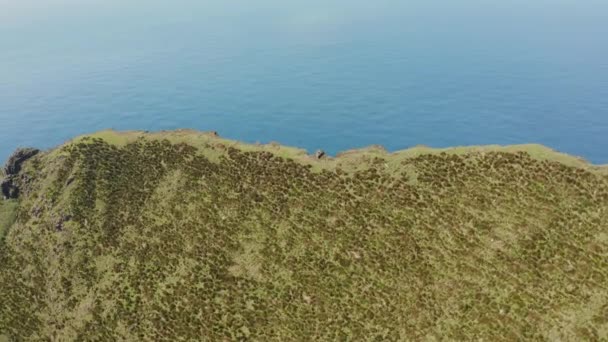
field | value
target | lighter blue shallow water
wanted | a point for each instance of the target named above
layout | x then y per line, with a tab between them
332	74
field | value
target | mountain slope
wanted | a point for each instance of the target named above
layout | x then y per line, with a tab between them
186	236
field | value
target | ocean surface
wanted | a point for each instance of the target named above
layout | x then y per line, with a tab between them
331	74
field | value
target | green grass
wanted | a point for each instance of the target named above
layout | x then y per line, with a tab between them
8	211
187	236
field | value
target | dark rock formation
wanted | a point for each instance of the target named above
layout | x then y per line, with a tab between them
9	185
9	188
13	165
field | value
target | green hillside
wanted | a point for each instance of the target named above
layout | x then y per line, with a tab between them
185	236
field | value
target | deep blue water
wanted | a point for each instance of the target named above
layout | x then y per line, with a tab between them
331	74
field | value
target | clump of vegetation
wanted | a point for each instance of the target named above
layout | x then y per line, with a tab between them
159	239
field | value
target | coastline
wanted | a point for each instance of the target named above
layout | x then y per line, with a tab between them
213	139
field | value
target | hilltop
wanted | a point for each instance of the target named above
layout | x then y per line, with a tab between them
183	235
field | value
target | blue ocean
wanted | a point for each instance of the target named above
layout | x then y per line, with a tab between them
331	74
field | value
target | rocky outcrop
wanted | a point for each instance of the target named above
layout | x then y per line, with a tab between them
13	165
10	185
9	188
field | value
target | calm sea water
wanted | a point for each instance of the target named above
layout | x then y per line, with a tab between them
331	74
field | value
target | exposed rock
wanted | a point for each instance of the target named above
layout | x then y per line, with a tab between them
379	148
13	165
319	154
10	184
60	222
9	188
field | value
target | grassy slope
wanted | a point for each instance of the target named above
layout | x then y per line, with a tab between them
224	240
8	211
